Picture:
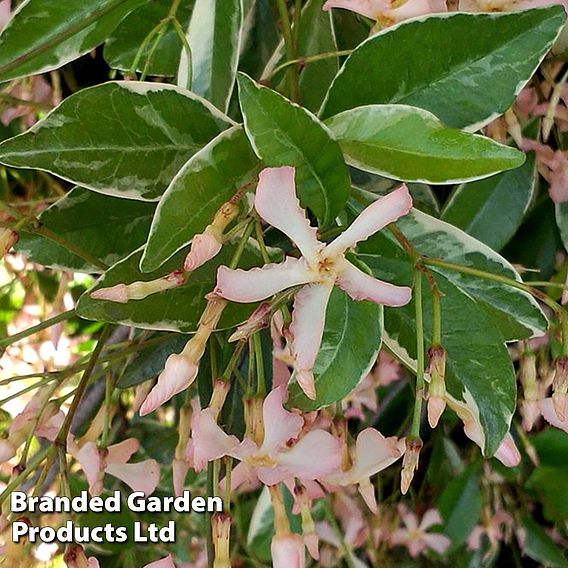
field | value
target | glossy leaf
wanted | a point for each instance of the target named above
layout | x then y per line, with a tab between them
411	144
350	345
206	181
123	44
214	35
44	35
282	133
127	139
464	68
178	309
106	227
460	506
540	547
492	210
561	212
478	316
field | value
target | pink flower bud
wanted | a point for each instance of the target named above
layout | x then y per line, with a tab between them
508	453
258	320
437	387
117	293
560	386
203	248
221	524
288	551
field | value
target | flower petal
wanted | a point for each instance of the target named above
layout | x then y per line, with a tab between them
547	408
317	454
431	518
368	8
287	551
166	562
122	452
279	424
89	459
178	374
277	204
209	440
508	453
308	321
361	286
142	476
373	453
437	542
260	283
372	219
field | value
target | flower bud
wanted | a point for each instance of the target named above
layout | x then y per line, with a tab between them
410	463
221	523
288	551
311	539
139	290
437	387
259	319
254	419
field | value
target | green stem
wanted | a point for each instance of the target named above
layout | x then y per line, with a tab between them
259	360
187	49
242	244
24	391
310	59
15	101
292	76
436	317
145	42
416	418
36	328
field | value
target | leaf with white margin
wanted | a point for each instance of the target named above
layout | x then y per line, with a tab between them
349	348
43	35
411	144
107	227
214	35
465	68
493	209
515	313
177	309
209	179
285	134
126	139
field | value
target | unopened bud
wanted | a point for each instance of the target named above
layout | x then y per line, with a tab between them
311	539
220	392
221	524
437	387
139	290
410	463
258	320
254	419
8	239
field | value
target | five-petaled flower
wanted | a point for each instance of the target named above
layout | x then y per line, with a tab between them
320	268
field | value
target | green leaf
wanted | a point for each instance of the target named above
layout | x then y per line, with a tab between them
214	35
492	56
478	316
177	309
411	144
123	44
127	138
561	211
540	547
551	483
208	179
493	209
285	134
149	362
44	35
552	447
460	506
349	348
107	227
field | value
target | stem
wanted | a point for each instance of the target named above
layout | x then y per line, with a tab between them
210	491
259	360
436	317
241	246
144	45
64	431
36	328
310	59
15	101
415	429
293	83
187	49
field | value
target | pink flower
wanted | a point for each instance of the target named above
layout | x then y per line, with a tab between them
415	536
506	5
549	413
313	456
493	530
382	11
5	12
320	269
373	453
142	476
166	562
